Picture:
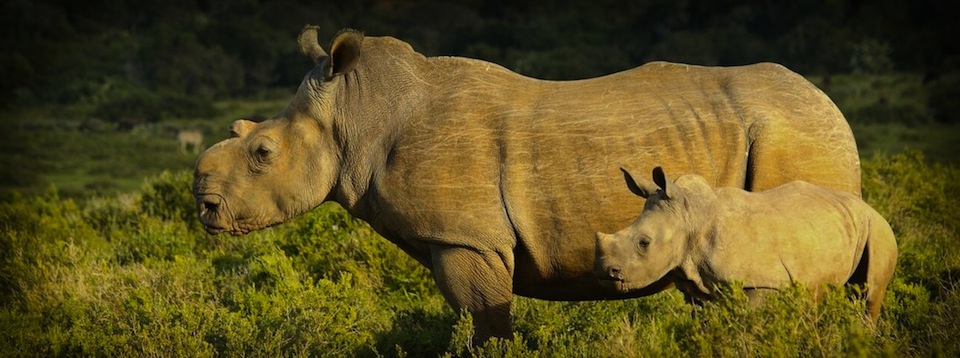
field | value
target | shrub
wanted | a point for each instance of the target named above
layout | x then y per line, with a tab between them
916	197
918	200
329	242
168	196
281	311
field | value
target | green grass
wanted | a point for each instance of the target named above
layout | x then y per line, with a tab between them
134	275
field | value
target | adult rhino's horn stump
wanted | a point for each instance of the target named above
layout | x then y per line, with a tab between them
309	45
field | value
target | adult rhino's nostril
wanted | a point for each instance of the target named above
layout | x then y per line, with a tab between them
210	204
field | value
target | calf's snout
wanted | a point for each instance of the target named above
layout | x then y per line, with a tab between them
603	268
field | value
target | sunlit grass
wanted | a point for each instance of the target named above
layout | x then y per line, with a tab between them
134	275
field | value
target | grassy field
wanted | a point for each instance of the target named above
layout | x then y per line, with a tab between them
133	275
112	262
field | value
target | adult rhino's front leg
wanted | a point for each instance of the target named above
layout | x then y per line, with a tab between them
480	281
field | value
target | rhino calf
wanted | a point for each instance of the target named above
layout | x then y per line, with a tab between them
700	238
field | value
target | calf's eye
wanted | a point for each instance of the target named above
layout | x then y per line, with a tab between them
644	243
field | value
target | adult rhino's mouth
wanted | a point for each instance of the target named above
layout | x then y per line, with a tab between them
217	217
215	214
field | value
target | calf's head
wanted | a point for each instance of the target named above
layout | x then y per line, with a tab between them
269	172
655	243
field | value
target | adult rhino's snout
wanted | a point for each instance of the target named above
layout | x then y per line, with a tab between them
210	207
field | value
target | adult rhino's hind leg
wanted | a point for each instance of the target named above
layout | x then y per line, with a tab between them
478	281
823	154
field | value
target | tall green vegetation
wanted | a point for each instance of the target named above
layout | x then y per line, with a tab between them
135	275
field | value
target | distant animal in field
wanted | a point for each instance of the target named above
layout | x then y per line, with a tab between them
497	182
701	238
191	139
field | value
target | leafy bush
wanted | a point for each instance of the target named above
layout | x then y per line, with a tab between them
169	197
134	276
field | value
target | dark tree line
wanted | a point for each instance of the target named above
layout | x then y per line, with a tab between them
173	56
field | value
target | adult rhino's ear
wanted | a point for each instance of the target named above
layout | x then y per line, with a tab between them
668	189
344	52
241	127
310	46
642	188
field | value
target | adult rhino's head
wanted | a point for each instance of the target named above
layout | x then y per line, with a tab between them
656	242
269	172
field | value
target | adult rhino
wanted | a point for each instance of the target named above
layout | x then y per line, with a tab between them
497	182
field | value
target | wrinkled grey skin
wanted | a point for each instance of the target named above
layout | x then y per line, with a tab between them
701	238
497	182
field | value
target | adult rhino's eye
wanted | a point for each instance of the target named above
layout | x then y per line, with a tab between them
263	151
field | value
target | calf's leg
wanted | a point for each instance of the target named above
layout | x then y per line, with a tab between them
882	251
756	295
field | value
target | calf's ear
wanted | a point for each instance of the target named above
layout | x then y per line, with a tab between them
642	188
344	52
669	190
